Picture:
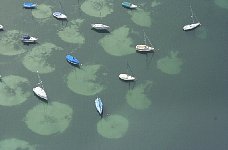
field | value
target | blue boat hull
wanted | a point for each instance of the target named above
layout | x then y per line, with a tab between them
72	60
29	5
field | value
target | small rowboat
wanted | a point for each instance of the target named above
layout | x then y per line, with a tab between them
59	15
71	59
29	5
100	26
99	105
1	27
126	77
191	26
129	5
144	48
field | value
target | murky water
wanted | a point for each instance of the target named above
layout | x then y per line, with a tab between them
179	100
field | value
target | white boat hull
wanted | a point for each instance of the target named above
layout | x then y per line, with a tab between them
191	26
100	26
126	77
1	27
40	92
99	105
144	48
133	6
59	15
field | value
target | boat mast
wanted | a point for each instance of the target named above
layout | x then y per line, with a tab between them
146	38
40	81
128	66
192	15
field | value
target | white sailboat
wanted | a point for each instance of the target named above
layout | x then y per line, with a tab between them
39	90
100	26
59	15
144	47
99	105
126	76
194	24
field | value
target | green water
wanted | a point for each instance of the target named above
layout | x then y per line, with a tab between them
179	100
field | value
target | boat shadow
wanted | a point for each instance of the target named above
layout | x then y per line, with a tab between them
129	8
131	84
28	43
41	99
29	8
75	65
146	52
100	31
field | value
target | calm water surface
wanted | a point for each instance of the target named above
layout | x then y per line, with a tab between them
187	100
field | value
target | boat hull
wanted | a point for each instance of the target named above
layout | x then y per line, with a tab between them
59	15
191	26
29	5
126	77
129	5
40	93
99	105
30	40
72	60
100	26
144	48
1	27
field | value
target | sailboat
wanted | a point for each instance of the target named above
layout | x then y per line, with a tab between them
59	15
126	76
99	26
193	25
99	106
39	90
144	47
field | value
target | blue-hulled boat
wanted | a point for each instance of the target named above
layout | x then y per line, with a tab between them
129	5
99	105
71	59
29	5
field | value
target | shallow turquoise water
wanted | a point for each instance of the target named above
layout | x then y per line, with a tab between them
188	107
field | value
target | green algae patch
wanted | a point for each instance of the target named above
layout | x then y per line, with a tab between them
71	33
36	59
155	3
42	11
12	90
84	81
97	8
141	17
170	64
15	144
137	99
113	126
10	43
55	118
221	3
118	43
